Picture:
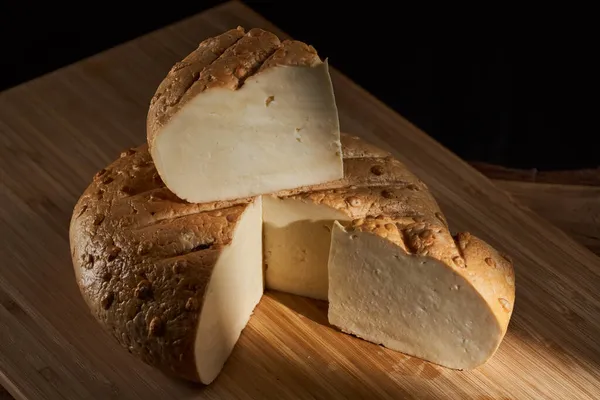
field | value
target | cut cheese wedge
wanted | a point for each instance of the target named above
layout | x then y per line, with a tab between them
449	309
244	115
234	289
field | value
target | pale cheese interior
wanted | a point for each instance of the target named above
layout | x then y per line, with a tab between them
235	288
416	305
297	235
279	131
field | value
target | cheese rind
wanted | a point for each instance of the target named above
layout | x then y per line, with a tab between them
261	118
157	271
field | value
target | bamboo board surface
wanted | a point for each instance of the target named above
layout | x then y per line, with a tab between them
57	131
573	208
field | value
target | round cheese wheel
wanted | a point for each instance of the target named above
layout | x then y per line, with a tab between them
175	283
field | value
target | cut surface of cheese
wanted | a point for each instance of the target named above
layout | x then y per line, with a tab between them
235	288
261	118
415	304
297	234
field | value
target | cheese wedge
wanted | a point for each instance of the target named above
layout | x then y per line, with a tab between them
408	287
234	289
243	115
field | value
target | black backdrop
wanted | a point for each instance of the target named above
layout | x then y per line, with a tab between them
516	93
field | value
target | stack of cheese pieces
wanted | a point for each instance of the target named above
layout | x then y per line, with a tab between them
246	183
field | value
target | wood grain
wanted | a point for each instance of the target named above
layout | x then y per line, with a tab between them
570	199
573	208
583	177
57	131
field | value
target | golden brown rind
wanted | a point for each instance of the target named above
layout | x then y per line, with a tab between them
167	99
223	61
491	273
381	226
292	53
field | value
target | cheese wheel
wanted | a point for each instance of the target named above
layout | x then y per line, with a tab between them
160	273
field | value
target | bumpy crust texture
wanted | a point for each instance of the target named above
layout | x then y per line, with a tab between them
224	61
143	257
405	212
490	272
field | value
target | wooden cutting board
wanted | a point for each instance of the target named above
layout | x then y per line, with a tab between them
57	131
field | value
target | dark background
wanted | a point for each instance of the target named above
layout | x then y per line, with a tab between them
519	93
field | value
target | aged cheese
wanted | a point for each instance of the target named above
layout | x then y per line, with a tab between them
415	304
261	117
176	282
